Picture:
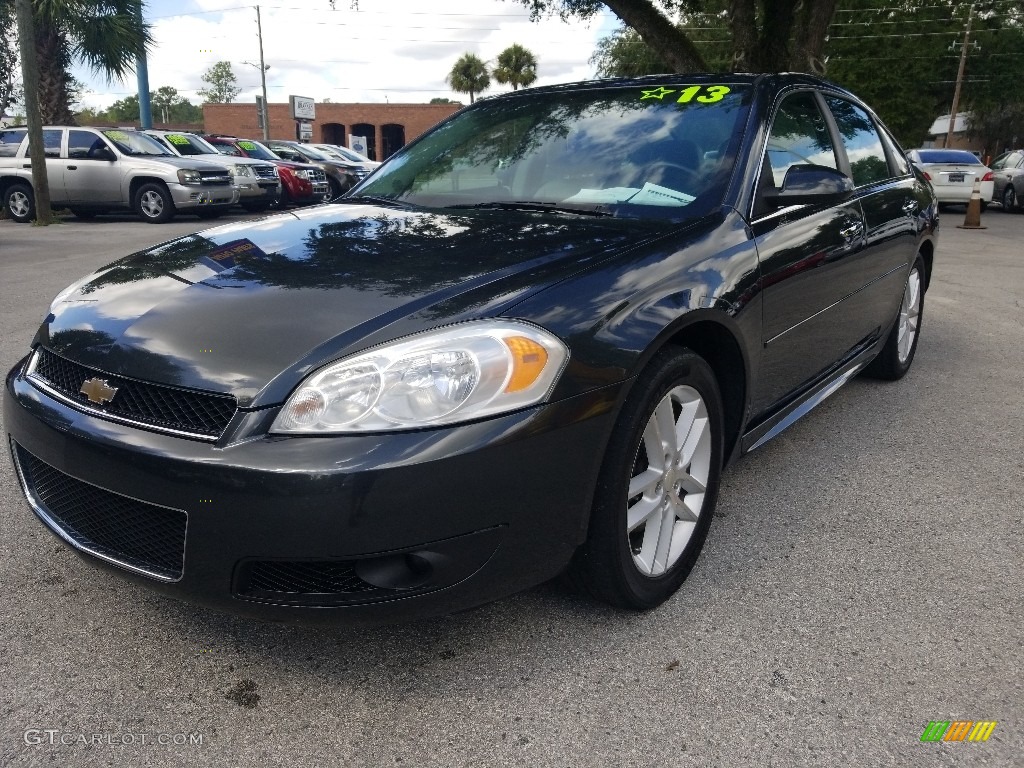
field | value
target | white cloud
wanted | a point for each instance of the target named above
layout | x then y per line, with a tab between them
389	50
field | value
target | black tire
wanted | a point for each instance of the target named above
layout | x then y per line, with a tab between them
892	364
210	213
153	203
20	203
336	190
83	213
606	565
984	206
256	207
1009	199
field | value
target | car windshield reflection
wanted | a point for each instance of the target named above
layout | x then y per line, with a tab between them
637	152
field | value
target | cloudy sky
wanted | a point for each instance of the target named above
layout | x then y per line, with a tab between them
388	50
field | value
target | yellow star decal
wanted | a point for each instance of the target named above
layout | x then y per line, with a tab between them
656	93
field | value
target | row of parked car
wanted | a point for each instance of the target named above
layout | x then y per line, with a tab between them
161	173
952	173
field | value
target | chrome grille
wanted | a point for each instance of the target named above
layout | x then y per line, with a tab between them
264	171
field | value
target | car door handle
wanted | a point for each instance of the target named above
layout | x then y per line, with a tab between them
72	167
26	165
910	206
852	231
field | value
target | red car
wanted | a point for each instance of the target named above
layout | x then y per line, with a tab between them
301	183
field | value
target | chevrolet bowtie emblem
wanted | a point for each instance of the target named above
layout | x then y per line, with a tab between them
98	391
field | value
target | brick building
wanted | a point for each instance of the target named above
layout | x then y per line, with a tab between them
387	127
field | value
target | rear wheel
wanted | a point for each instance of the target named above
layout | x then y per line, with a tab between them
658	485
153	203
1009	199
19	200
898	353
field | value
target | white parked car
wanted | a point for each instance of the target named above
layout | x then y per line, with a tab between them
952	173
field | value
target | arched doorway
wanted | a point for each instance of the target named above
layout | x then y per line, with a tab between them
368	130
333	133
392	139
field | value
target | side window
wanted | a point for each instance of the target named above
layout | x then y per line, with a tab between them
51	141
1015	159
227	149
799	136
898	158
82	145
863	146
10	141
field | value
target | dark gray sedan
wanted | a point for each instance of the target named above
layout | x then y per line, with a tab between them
1008	175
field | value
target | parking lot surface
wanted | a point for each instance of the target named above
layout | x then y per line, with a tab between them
863	576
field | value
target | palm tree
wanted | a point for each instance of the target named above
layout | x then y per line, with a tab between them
106	35
516	65
469	75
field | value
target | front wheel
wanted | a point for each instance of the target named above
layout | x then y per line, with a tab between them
658	485
20	203
153	203
896	356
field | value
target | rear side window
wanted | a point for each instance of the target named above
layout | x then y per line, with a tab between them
863	146
82	145
10	140
948	156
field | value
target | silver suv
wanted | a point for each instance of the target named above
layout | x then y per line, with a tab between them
259	186
94	170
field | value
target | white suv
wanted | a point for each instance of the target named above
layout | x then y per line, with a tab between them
94	170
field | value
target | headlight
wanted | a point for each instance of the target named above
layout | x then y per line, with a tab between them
438	377
302	174
189	177
242	170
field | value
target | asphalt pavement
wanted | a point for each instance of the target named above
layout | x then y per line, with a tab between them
863	576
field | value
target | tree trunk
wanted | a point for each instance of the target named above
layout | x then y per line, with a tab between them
814	16
655	29
773	51
37	152
743	26
54	65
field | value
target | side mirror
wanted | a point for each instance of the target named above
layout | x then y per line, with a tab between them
812	185
104	153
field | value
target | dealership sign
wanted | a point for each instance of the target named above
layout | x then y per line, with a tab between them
303	107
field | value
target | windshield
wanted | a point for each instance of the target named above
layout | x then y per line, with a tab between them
257	150
666	151
190	144
948	156
348	154
135	144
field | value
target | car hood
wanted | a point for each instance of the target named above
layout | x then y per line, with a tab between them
159	163
293	166
251	308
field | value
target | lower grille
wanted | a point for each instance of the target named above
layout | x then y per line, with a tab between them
142	537
146	405
306	577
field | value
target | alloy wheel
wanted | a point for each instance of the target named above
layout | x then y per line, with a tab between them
152	204
19	204
670	477
910	312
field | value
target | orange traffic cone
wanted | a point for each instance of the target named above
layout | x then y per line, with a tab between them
973	218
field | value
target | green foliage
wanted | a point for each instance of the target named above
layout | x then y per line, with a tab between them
441	100
469	75
516	66
8	55
126	110
223	84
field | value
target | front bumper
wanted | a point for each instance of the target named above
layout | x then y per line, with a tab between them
426	523
252	191
195	195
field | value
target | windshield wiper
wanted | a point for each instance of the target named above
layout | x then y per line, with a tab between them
525	205
379	199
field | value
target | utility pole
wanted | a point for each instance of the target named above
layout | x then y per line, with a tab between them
959	74
263	78
30	79
142	75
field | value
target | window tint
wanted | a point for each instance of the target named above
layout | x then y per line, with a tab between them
10	141
948	156
863	147
799	137
51	141
84	144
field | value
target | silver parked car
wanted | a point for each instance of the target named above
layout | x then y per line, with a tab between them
95	170
1008	173
259	186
